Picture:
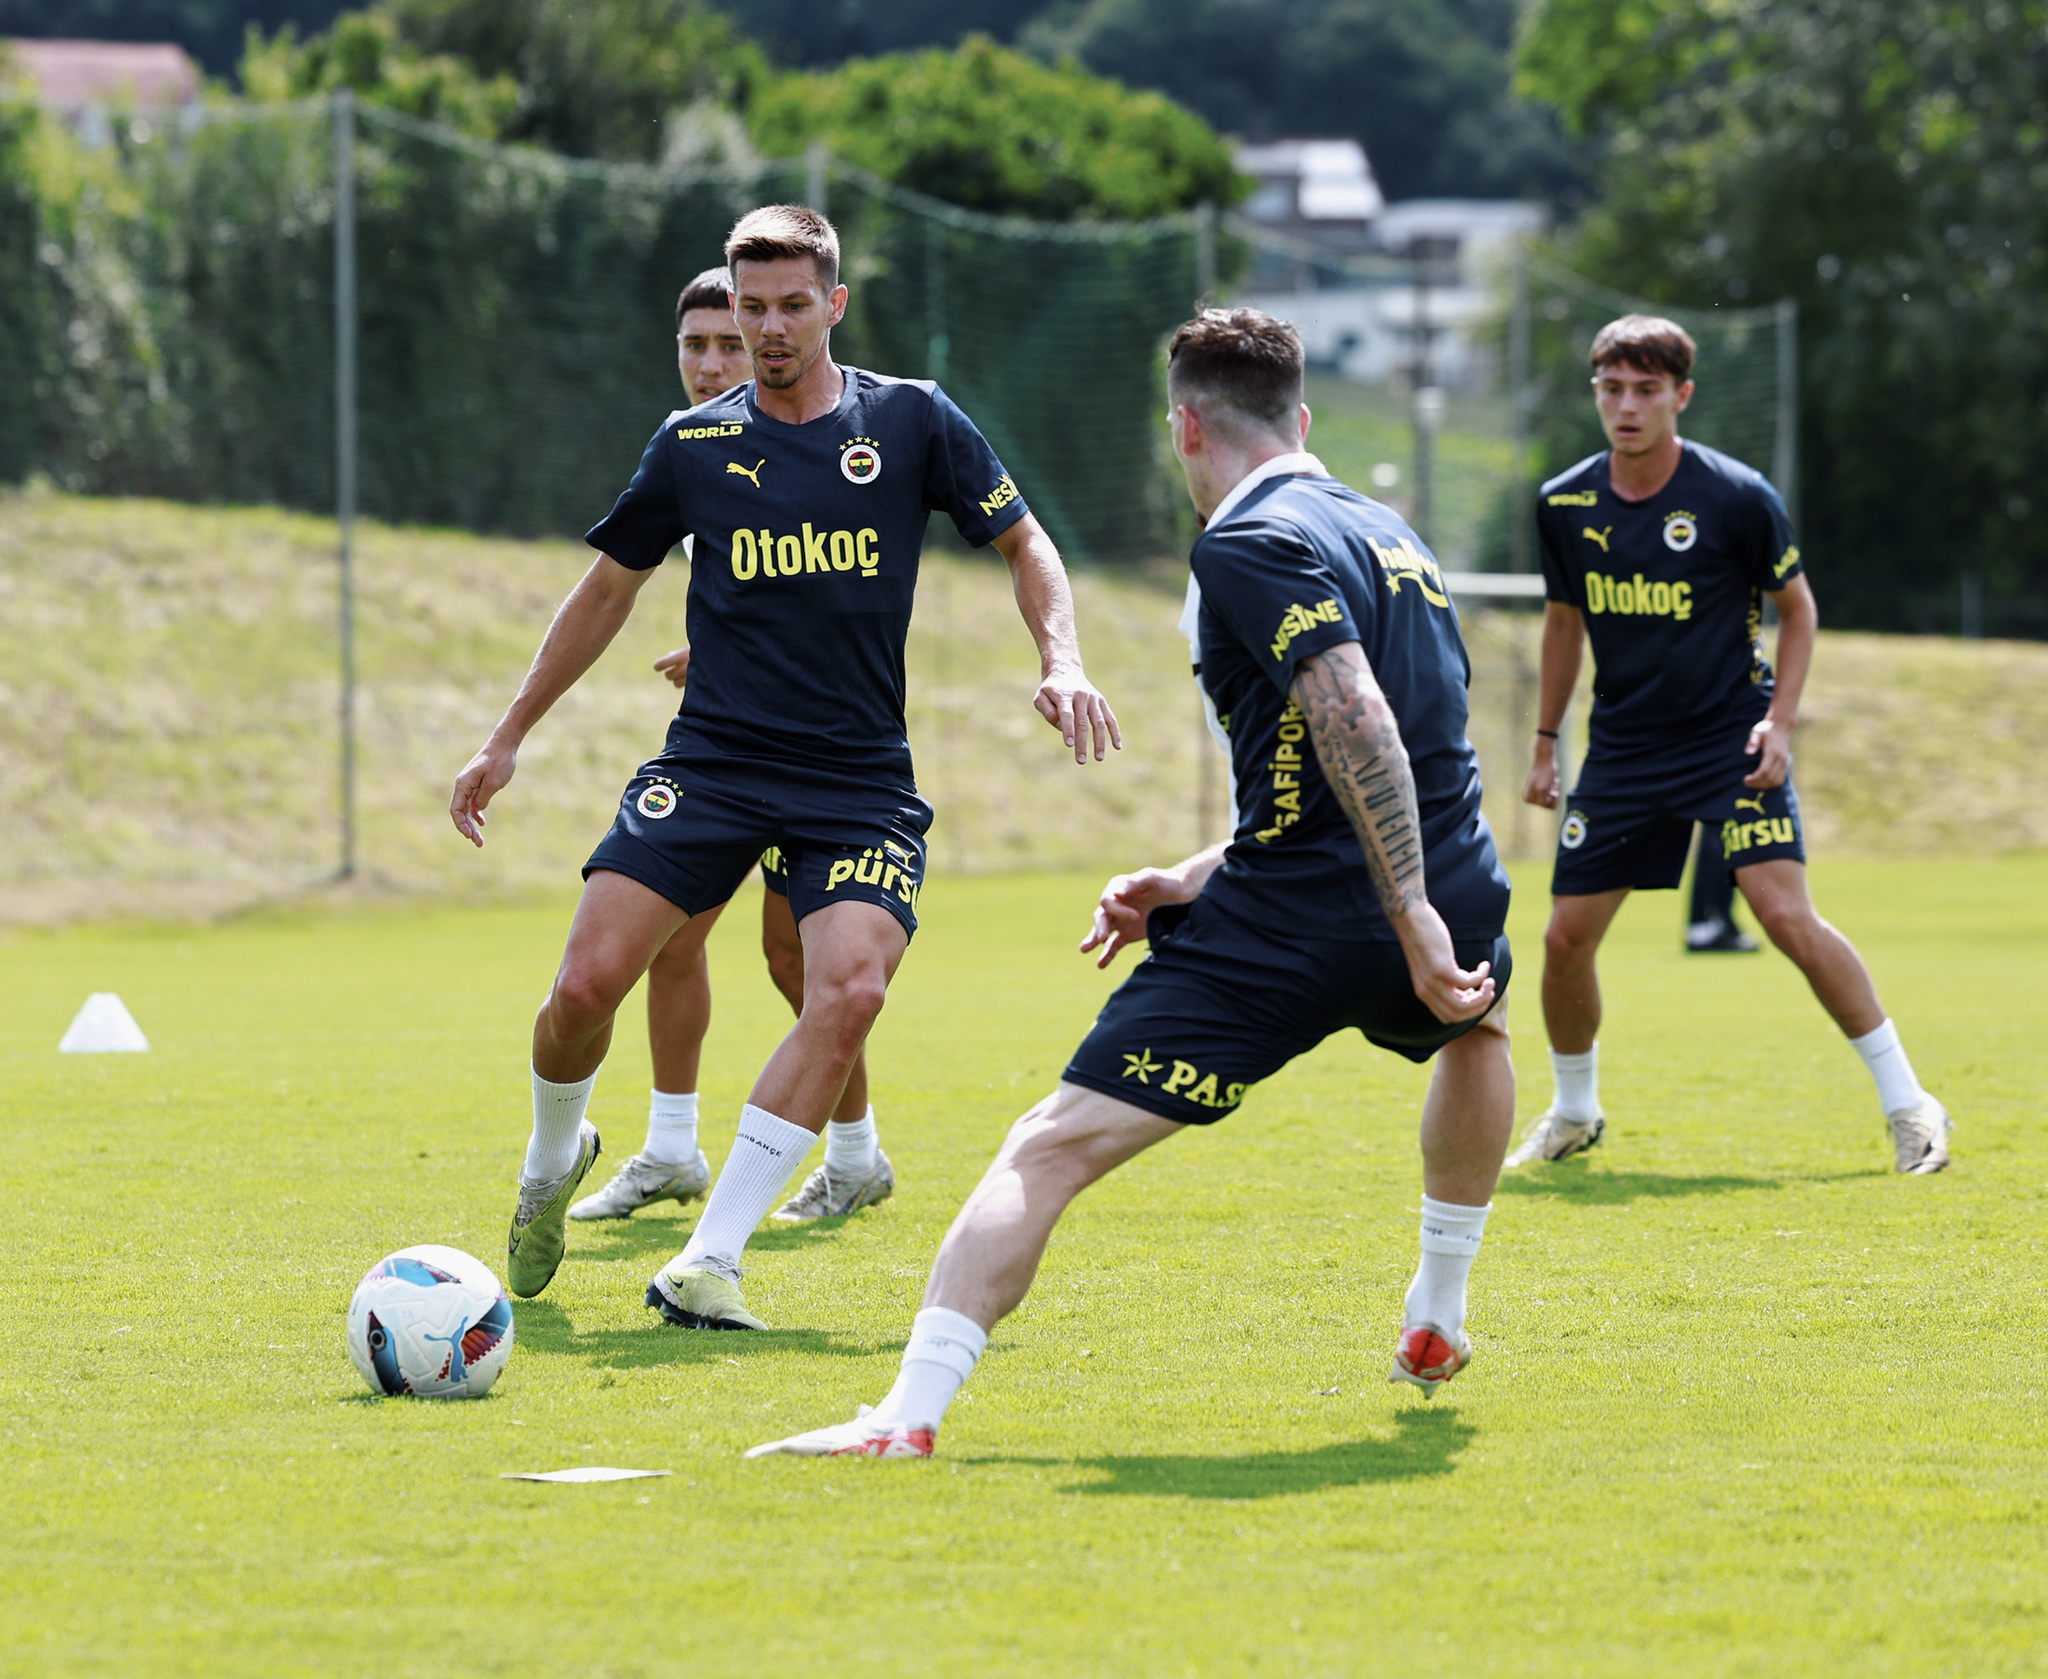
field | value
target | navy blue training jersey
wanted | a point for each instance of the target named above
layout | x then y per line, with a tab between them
1302	564
1672	592
805	561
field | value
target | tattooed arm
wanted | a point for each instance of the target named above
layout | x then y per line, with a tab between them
1359	746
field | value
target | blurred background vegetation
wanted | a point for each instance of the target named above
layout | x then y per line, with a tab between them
1881	162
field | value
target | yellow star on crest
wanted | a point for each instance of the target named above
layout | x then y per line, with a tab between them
1141	1066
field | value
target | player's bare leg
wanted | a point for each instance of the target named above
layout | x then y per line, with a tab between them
1573	1122
783	947
669	1166
855	1172
620	927
1783	903
851	952
1467	1120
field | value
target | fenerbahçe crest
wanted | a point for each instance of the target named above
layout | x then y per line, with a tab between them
1681	531
656	801
860	461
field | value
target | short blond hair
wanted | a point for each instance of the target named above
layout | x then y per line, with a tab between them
776	231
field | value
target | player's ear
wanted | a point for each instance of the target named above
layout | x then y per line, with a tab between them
1684	396
837	304
1307	419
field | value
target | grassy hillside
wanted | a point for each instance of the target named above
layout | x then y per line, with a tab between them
168	706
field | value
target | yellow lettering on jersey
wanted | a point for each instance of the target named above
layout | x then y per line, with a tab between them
1576	498
1298	618
1285	765
1636	597
764	554
1790	560
685	433
1403	562
1001	496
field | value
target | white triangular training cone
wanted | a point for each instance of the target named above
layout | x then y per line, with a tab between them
103	1027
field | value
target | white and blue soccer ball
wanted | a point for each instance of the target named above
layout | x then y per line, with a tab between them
431	1322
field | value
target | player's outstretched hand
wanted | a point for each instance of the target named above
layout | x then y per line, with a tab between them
1072	704
1774	742
484	775
1541	789
1125	903
675	666
1447	990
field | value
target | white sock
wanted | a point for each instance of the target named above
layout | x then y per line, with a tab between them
1576	1079
557	1117
1885	1056
751	1181
1450	1242
943	1348
850	1146
671	1127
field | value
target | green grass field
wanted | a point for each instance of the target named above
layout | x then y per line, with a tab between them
1744	1403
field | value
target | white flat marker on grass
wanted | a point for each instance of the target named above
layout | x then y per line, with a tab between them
592	1474
103	1027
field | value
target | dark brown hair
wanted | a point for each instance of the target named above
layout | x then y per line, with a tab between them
709	290
1648	342
776	231
1242	360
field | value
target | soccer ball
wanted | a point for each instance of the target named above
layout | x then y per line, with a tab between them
431	1322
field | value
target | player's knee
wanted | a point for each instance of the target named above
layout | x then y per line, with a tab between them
583	998
1793	927
848	1003
1567	945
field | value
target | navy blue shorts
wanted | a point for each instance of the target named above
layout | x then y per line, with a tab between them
773	875
691	829
1221	1004
1635	830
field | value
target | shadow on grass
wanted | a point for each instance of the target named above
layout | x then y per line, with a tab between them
1577	1181
544	1327
1425	1442
628	1238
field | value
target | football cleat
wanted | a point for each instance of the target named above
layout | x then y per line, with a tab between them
641	1182
696	1297
826	1196
1425	1358
1552	1138
533	1250
1920	1134
863	1437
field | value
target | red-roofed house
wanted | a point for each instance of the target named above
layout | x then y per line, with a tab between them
83	80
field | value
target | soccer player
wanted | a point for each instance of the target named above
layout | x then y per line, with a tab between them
1660	552
807	490
670	1166
1361	888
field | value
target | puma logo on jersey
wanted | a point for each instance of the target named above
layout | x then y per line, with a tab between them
1790	560
1591	535
1756	804
752	474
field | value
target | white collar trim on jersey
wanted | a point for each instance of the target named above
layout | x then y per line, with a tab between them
1280	466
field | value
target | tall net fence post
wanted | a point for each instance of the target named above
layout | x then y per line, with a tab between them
1785	457
1205	253
1521	529
818	177
345	448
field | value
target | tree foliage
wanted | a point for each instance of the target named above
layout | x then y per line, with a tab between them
1426	84
991	129
592	78
1887	166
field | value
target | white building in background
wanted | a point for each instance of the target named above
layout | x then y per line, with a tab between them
85	82
1372	284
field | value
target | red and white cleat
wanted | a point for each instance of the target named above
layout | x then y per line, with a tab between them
863	1437
1426	1358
